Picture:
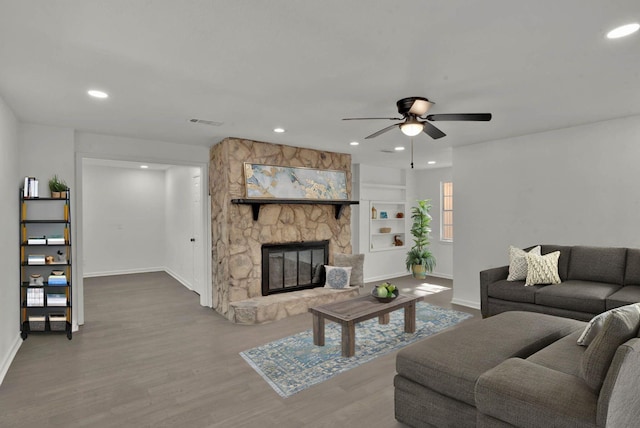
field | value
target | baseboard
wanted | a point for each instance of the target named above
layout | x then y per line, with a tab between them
441	275
123	272
388	276
179	279
467	303
6	362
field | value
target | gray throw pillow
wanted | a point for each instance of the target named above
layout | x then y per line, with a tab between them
595	325
356	262
619	327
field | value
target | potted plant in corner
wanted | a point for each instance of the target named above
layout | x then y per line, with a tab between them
419	258
58	187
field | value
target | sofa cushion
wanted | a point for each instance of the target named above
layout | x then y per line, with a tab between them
583	296
513	291
632	268
625	296
619	327
451	362
518	262
562	355
563	261
524	394
542	269
598	264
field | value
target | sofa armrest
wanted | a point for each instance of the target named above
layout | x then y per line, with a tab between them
487	277
526	394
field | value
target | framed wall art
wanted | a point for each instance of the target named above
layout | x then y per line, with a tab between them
286	182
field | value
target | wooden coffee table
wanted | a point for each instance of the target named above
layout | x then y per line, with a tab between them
349	312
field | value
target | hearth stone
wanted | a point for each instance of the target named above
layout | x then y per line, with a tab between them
259	310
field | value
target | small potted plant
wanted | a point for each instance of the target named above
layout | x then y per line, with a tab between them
419	259
58	187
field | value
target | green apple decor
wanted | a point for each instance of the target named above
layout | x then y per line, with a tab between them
385	292
419	259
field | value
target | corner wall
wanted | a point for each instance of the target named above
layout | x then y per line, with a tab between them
10	340
237	239
575	186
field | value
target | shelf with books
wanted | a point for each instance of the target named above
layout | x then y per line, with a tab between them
45	265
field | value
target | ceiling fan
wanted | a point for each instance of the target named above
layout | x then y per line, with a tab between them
414	121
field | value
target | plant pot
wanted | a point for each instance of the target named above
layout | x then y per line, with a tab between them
419	271
55	195
63	195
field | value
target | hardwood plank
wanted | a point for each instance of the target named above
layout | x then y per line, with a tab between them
150	355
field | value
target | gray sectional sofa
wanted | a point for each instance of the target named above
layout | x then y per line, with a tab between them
522	369
594	279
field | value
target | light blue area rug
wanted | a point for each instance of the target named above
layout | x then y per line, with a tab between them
294	363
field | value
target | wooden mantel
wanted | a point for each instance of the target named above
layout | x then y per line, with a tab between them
257	203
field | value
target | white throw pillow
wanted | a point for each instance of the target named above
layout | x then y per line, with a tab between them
518	262
337	277
543	269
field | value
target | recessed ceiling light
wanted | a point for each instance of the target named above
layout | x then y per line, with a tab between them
144	166
623	30
399	149
354	143
278	130
97	94
431	162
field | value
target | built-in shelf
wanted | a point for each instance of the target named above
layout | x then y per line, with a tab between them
257	203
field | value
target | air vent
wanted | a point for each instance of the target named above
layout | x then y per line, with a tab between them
206	122
388	151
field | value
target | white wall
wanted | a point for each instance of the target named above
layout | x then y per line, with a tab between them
178	223
9	237
575	186
123	220
427	186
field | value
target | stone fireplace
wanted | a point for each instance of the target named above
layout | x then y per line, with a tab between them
238	239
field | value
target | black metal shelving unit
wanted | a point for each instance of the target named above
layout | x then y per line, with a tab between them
45	315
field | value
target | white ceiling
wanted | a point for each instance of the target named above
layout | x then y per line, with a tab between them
254	65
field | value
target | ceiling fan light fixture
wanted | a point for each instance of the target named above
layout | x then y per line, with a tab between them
411	127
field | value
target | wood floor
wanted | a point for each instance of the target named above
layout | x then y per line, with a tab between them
150	356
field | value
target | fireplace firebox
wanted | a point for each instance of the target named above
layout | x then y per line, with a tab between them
293	266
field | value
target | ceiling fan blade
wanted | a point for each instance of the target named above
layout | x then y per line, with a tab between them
382	131
420	106
460	116
372	118
432	131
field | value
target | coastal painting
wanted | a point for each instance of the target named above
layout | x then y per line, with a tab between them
284	182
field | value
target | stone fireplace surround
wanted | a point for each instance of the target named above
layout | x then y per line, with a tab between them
237	239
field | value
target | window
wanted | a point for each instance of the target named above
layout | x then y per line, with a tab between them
446	210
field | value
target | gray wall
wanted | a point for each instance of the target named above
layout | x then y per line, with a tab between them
427	186
9	229
575	186
124	220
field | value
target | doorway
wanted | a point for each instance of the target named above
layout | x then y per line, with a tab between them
135	220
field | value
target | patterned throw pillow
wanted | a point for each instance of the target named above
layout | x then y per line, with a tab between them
543	269
337	277
356	262
518	262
